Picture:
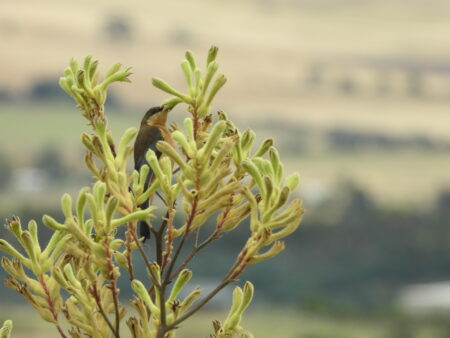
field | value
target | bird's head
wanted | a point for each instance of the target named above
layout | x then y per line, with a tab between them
156	116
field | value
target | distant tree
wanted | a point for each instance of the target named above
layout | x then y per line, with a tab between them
5	171
50	160
416	87
46	90
118	27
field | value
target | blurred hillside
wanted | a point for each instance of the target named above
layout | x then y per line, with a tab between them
338	70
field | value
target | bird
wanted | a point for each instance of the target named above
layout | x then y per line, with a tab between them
153	129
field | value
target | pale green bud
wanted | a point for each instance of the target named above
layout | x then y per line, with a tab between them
145	169
265	146
137	215
275	249
276	163
248	295
198	81
181	139
158	83
63	83
247	139
154	164
111	207
169	104
190	299
234	315
93	70
69	274
129	134
6	329
190	58
292	181
287	230
212	54
120	76
81	202
211	70
264	166
58	275
269	187
99	192
168	150
218	83
142	293
189	127
166	166
30	248
251	168
113	69
221	155
213	139
66	205
188	75
121	259
183	278
32	227
90	164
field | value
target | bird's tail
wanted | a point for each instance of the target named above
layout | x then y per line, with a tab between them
144	228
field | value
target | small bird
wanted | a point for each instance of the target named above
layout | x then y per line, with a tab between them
153	129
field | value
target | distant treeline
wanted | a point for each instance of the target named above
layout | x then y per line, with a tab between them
295	138
349	254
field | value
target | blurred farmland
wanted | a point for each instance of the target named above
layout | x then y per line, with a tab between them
356	94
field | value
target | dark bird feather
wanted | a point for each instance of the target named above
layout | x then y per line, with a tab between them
146	139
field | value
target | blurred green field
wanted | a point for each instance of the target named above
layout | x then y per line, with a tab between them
267	322
390	176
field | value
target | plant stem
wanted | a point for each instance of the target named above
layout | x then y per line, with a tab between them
94	292
51	306
183	240
113	281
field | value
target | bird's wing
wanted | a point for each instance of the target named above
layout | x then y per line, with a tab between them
147	138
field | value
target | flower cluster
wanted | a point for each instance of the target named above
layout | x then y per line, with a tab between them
212	172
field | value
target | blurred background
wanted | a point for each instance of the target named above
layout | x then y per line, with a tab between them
357	96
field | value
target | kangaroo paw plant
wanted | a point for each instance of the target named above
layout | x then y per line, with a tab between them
211	179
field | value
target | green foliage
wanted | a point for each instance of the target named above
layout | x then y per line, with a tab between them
5	330
212	168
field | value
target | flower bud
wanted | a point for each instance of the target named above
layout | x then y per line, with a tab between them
7	248
168	150
183	278
212	54
142	293
169	104
292	181
251	168
121	259
6	329
58	275
113	69
181	139
190	299
218	83
190	58
189	127
211	70
126	138
275	249
81	202
158	83
66	205
265	146
213	139
188	75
